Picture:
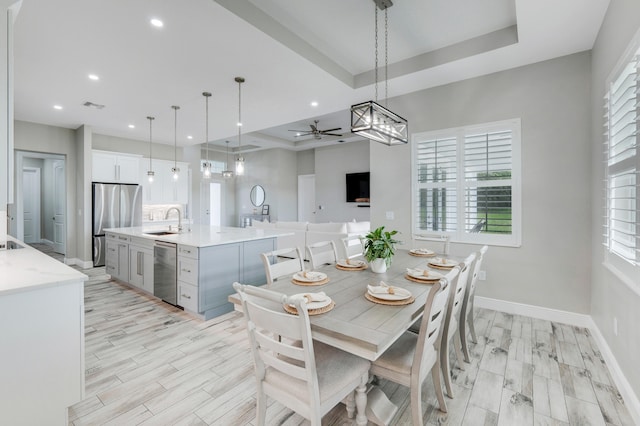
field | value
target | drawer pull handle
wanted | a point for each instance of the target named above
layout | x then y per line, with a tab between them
186	297
188	271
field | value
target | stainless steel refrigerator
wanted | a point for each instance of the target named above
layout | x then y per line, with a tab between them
114	206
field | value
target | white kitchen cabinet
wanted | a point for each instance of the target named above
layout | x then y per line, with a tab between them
115	167
164	189
117	256
141	267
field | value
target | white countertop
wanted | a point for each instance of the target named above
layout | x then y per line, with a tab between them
201	235
27	269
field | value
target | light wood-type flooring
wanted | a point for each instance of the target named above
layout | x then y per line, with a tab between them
150	363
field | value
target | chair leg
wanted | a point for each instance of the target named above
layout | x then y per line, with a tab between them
472	328
463	340
446	366
351	405
361	400
458	350
416	402
437	384
261	408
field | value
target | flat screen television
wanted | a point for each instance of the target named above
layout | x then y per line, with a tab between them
358	187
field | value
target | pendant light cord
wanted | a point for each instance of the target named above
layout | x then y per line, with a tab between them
206	127
175	136
386	57
239	118
376	50
150	138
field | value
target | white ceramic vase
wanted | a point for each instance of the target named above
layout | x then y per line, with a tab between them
379	266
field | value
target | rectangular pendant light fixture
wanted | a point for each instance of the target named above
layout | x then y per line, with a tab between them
373	121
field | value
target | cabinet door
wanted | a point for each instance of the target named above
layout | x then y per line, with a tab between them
128	169
136	271
111	258
104	167
123	262
147	270
219	268
252	267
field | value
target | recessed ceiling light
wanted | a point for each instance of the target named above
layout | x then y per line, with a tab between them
314	104
93	77
298	134
131	126
189	137
239	124
57	107
157	23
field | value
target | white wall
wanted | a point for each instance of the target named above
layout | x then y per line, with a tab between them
306	162
552	98
610	297
332	163
130	146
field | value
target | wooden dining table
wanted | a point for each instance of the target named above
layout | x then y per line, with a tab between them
357	325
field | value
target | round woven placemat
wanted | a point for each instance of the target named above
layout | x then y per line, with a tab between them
347	268
418	280
422	255
374	299
446	268
309	283
293	311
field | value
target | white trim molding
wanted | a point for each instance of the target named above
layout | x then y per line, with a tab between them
631	400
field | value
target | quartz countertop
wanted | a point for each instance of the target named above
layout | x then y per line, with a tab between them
28	269
201	235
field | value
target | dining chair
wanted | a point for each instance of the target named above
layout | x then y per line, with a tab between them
306	376
450	329
322	253
434	238
466	317
353	246
276	266
412	356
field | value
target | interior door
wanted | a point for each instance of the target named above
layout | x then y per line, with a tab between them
31	204
307	198
59	232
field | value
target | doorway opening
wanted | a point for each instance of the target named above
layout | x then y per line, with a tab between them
211	202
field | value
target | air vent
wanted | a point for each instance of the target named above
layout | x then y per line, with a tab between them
93	105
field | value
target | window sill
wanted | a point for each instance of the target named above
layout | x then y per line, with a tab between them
633	286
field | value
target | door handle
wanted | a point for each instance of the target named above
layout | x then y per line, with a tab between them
53	218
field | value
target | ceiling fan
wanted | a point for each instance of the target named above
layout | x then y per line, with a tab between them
317	133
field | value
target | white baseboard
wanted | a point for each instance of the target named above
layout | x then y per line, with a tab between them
81	263
581	320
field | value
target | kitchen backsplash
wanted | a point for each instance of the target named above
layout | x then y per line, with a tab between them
157	212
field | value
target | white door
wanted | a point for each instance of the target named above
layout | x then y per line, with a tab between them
59	202
211	202
307	198
31	204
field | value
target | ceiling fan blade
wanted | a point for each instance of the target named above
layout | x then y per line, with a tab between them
331	134
330	130
314	129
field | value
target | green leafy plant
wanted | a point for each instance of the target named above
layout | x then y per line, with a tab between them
380	244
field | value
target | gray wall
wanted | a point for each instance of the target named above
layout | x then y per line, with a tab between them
552	99
332	163
306	162
609	296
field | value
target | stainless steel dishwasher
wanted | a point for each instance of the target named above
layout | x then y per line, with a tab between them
165	278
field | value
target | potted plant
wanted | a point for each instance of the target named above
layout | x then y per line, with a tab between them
379	248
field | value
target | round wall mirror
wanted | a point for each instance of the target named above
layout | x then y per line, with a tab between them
257	195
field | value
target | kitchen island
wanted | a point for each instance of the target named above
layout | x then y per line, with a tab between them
42	335
208	260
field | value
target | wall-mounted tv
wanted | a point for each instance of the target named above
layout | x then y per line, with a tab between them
358	187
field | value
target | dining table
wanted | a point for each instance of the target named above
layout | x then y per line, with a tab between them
358	325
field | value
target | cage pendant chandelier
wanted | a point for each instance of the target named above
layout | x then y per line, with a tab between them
370	119
206	166
240	166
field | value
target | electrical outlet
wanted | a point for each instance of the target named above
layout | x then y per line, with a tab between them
482	275
615	326
390	215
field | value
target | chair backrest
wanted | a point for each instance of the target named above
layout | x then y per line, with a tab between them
322	253
434	238
276	267
456	297
353	246
432	320
279	340
473	277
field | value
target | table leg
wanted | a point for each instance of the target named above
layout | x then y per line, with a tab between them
380	410
361	401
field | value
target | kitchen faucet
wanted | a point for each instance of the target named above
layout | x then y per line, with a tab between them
166	216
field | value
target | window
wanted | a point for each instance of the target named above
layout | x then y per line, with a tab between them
467	183
216	166
622	163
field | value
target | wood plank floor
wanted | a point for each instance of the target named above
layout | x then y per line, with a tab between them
151	364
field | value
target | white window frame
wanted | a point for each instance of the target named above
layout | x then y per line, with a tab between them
460	235
627	271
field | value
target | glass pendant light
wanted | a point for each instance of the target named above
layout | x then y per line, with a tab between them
240	159
175	171
206	166
370	119
227	173
150	172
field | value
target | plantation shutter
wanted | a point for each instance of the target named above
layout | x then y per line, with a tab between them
488	163
622	164
437	170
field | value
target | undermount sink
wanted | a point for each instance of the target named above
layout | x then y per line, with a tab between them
160	233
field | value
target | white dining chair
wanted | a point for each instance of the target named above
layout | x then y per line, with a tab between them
306	376
433	238
282	262
322	253
450	329
353	246
466	317
410	358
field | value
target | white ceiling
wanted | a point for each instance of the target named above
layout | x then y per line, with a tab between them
290	52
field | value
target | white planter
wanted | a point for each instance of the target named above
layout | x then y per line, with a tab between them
378	266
